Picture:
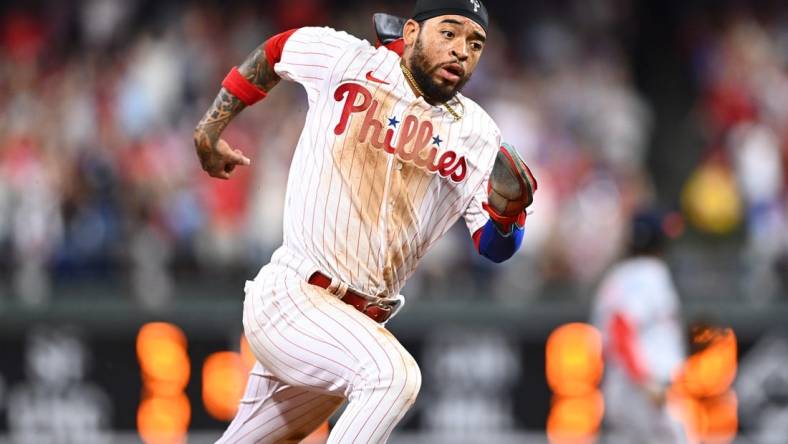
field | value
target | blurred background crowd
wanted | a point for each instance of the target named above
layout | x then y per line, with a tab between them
107	221
100	182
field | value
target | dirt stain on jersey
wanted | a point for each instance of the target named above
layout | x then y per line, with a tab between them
362	166
369	131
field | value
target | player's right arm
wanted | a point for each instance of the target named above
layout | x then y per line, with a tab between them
246	84
306	58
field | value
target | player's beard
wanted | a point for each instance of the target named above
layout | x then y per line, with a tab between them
422	71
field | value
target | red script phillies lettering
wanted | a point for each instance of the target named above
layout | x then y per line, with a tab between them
413	140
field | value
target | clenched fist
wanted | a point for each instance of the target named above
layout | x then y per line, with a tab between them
220	159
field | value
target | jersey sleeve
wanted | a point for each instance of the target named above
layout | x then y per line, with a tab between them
310	54
475	216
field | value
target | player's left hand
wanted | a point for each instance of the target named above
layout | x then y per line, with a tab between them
511	187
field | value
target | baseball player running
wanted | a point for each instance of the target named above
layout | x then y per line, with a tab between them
390	157
637	311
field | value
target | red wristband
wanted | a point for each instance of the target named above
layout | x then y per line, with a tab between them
505	222
237	85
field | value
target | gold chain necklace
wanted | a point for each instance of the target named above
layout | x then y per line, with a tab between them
412	82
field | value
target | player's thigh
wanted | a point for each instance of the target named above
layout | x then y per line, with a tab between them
388	379
309	338
274	412
380	361
291	338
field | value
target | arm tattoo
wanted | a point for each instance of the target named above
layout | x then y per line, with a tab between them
257	70
225	107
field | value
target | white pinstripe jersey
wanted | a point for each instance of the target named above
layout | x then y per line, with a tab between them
378	175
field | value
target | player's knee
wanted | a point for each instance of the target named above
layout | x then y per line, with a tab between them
405	381
411	382
399	379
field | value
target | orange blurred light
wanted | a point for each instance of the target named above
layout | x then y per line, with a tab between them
711	420
164	420
159	331
701	395
223	381
161	351
574	360
722	419
319	436
575	419
711	371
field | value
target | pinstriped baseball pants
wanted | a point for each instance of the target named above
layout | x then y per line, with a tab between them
314	352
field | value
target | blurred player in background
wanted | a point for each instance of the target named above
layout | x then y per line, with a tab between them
637	311
391	156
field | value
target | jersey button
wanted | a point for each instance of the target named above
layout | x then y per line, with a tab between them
398	166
